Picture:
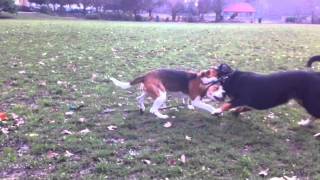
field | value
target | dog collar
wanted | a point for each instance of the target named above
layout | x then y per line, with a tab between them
221	80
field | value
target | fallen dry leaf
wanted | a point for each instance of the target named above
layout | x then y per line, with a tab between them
112	128
264	173
183	158
271	115
167	124
62	83
94	77
41	63
52	154
316	135
33	135
290	178
172	162
52	121
188	138
42	83
146	161
18	120
67	132
23	150
133	152
116	141
69	113
284	178
277	178
14	115
85	131
5	131
68	154
82	119
108	110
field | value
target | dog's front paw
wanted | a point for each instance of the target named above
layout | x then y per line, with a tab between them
306	123
216	112
141	111
161	116
191	107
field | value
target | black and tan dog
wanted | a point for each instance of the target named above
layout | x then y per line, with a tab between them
250	90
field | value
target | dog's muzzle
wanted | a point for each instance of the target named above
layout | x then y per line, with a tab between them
220	99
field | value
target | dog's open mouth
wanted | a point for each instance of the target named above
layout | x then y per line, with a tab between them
220	99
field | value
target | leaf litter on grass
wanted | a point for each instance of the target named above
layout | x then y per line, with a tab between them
67	74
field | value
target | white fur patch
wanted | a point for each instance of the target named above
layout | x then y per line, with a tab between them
306	122
123	85
141	101
217	94
206	80
159	101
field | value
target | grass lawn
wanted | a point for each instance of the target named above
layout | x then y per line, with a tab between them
49	67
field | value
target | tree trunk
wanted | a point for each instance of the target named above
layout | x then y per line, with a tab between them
218	16
150	13
61	9
84	9
174	15
54	7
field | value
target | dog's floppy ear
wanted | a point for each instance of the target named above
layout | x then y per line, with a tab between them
202	73
224	69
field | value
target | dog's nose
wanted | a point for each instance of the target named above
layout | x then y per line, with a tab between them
224	94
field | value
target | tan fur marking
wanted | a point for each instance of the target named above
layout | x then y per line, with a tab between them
153	86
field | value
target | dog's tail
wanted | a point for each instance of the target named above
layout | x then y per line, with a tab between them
312	60
127	85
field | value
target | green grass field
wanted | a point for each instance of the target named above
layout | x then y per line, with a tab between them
48	67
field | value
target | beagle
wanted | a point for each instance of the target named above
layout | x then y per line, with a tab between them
158	83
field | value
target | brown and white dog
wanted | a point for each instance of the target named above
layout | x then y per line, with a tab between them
158	83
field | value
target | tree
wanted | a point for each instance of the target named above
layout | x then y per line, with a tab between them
40	2
191	7
61	3
85	5
98	4
204	7
176	6
217	8
150	5
133	6
8	6
113	5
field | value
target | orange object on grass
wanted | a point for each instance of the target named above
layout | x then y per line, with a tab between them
3	116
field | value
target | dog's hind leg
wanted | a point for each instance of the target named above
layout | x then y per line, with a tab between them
140	100
189	104
307	123
239	110
312	107
159	101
